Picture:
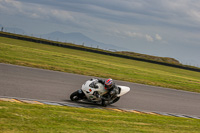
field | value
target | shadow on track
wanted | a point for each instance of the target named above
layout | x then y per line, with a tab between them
83	103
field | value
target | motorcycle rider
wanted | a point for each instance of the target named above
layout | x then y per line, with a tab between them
109	85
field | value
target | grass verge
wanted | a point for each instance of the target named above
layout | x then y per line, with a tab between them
86	63
21	117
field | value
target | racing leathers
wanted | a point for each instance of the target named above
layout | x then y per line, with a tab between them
112	91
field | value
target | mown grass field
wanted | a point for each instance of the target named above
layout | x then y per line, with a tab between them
86	63
21	117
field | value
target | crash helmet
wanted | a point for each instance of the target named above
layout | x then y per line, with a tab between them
109	83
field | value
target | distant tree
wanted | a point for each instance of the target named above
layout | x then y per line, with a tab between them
1	28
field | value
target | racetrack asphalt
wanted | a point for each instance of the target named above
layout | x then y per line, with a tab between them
33	83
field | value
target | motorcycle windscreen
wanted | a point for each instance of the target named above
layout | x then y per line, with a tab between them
124	90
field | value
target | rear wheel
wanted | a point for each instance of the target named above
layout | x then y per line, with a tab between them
74	96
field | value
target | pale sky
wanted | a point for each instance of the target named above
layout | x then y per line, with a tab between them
167	28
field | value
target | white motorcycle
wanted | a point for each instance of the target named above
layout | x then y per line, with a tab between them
95	92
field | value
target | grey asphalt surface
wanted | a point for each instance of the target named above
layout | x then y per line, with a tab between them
33	83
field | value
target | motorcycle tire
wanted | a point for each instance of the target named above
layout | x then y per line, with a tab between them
116	99
74	96
104	103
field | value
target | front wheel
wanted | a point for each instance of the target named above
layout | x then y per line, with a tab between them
104	103
115	100
74	96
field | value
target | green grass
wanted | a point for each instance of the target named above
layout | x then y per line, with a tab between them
21	117
86	63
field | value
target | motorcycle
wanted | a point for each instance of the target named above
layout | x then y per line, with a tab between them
95	92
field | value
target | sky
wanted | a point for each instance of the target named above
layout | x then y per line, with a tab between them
166	28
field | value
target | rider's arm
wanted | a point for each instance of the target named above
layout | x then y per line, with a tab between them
101	81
